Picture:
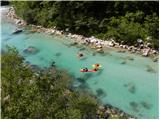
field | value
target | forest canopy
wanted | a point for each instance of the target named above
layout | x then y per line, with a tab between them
33	94
122	20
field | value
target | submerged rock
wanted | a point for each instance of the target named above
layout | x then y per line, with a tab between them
132	89
73	44
123	62
100	92
155	59
31	50
100	50
146	105
130	58
134	106
93	54
58	54
121	51
150	69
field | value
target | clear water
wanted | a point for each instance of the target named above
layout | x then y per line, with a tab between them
126	86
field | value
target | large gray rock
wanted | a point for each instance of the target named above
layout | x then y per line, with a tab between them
146	52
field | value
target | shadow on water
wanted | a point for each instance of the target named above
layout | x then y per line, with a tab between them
131	87
134	106
100	93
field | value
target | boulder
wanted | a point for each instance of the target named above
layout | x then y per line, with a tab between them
148	45
130	48
154	52
124	47
121	46
111	44
146	52
18	21
141	46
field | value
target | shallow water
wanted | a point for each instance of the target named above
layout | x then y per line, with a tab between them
128	86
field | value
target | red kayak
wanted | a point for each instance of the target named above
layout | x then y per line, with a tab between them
88	71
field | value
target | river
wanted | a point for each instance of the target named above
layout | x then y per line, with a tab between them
122	82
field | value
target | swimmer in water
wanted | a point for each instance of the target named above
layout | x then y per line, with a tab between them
80	55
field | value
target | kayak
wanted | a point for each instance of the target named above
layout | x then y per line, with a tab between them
87	71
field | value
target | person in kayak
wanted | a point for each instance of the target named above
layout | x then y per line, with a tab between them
96	66
84	70
95	69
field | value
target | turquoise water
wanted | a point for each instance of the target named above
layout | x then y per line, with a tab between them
129	86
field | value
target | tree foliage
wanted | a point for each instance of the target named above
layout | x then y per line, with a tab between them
139	18
27	94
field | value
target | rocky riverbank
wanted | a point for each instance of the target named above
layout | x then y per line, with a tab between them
141	48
